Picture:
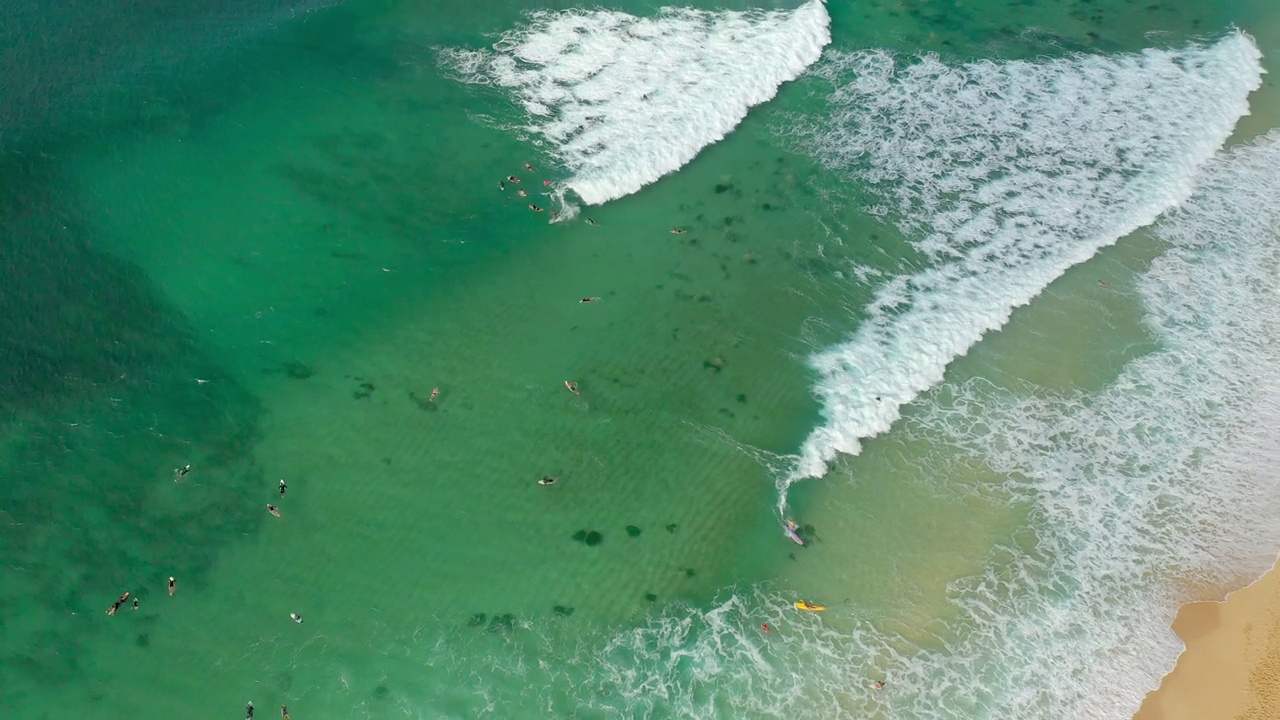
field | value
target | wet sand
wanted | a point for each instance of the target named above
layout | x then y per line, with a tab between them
1231	667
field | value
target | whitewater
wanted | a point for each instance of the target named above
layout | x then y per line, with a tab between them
619	100
1001	175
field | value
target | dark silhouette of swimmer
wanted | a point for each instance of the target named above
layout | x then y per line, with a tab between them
586	300
590	221
172	588
135	603
548	480
181	472
502	185
284	712
283	487
248	711
273	510
534	208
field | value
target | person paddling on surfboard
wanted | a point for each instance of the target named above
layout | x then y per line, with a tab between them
573	387
792	531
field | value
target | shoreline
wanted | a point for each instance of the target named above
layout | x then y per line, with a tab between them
1230	663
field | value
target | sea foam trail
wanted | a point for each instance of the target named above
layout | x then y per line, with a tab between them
1169	472
622	100
1004	174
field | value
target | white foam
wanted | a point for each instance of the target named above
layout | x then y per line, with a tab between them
623	100
1004	175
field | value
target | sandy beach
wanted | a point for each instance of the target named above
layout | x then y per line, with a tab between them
1231	667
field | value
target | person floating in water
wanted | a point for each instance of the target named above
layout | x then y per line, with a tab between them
296	618
573	387
135	603
534	208
877	685
548	480
116	605
586	300
765	627
678	231
435	393
284	712
283	487
528	166
181	472
546	183
273	510
248	711
172	586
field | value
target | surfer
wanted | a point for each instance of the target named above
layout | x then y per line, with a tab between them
181	472
573	387
586	300
522	193
116	605
534	208
765	627
1104	283
435	393
528	166
793	531
553	215
172	586
678	231
877	685
273	510
591	222
502	184
135	603
548	480
284	712
283	487
296	617
248	711
513	179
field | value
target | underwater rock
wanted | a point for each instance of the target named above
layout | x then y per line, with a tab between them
633	531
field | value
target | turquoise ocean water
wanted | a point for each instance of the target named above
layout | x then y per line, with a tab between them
983	295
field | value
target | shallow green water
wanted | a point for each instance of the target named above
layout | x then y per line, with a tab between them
261	256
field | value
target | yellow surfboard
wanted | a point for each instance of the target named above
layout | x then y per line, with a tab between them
803	605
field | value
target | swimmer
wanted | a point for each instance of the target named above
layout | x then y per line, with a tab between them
586	300
135	603
248	711
546	183
548	480
534	208
528	166
181	472
765	627
522	193
502	184
273	510
678	231
284	712
591	222
877	685
283	487
435	393
573	387
513	179
296	617
172	586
